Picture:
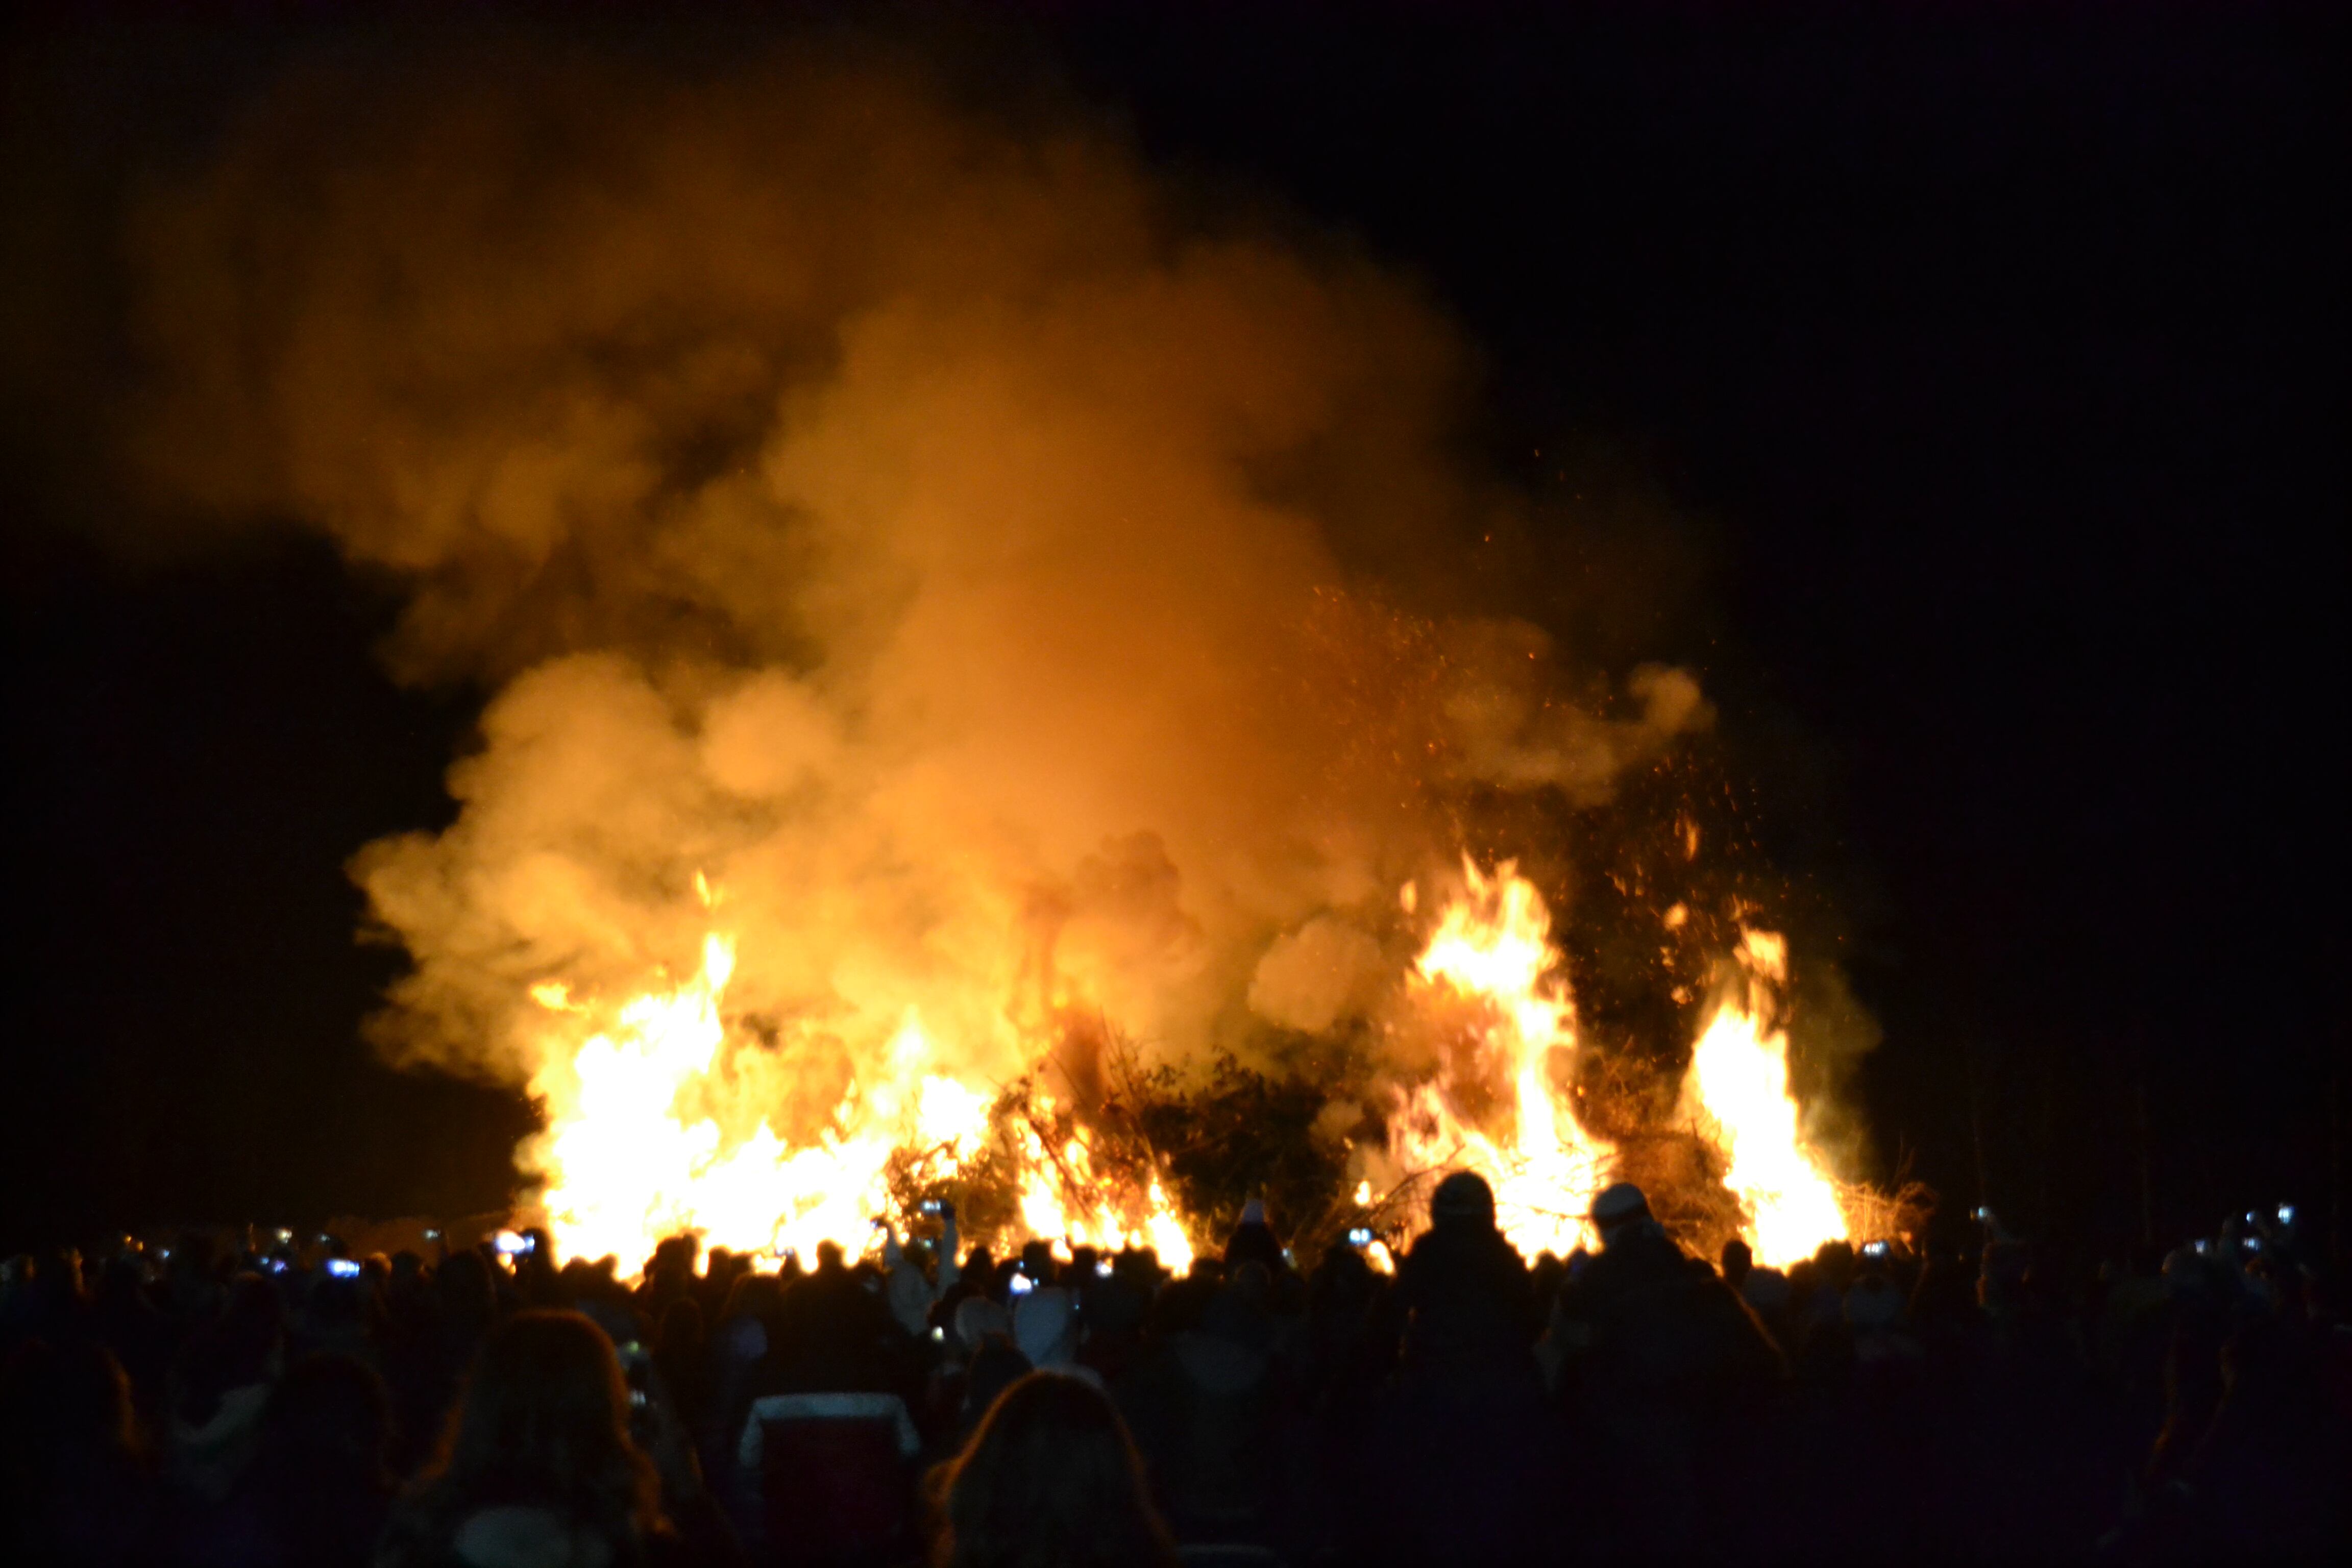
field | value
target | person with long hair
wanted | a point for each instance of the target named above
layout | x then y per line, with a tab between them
536	1464
1050	1479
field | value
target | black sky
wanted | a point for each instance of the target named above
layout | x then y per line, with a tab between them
1989	357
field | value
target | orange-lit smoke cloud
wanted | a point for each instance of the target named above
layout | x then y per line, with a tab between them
912	524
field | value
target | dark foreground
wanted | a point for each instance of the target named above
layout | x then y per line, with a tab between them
220	1404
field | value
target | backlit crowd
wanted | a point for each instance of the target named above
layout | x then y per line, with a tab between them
259	1398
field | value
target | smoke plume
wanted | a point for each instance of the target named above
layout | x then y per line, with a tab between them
901	535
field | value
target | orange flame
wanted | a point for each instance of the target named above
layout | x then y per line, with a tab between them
623	1166
1738	1093
1493	944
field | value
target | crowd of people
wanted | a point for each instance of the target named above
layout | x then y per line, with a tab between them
493	1406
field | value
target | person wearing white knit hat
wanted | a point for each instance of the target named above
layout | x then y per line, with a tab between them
1620	1212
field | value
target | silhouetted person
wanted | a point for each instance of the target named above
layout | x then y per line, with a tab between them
319	1487
834	1335
2266	1475
1469	1454
993	1362
1049	1480
1202	1406
1469	1308
681	1354
1254	1241
124	1316
1738	1259
537	1465
1672	1375
222	1381
73	1483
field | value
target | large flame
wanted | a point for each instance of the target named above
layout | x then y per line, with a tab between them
1494	944
625	1158
621	1167
1738	1093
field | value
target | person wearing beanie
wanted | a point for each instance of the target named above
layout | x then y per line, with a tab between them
1463	1200
1660	1354
1465	1417
1621	1217
1636	1258
1469	1310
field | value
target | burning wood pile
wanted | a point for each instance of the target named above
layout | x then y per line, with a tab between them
1093	1147
992	680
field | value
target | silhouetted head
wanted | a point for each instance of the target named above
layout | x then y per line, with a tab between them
977	1317
1620	1210
543	1423
1343	1281
681	1333
1872	1303
1463	1201
1738	1259
329	1416
751	1296
69	1401
1050	1478
1046	1325
469	1298
829	1256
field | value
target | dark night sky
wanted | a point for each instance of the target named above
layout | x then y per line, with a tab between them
1989	355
